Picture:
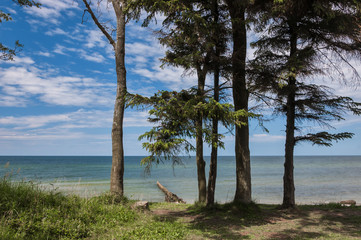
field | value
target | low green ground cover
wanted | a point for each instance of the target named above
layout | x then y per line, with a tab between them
29	212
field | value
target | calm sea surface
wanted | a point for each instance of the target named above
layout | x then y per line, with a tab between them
317	178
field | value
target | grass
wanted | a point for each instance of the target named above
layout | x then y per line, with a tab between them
29	212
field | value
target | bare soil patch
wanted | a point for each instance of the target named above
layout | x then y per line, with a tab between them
267	222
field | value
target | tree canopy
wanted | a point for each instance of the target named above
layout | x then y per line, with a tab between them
301	41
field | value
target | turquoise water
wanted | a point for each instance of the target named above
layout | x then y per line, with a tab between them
317	178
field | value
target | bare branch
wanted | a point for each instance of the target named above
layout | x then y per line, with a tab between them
82	18
100	26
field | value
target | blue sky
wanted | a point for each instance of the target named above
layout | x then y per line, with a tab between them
57	97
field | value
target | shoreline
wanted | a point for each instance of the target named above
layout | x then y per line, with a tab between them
88	190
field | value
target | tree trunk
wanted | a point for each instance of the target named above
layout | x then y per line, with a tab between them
117	172
214	152
201	173
169	196
213	163
240	97
288	178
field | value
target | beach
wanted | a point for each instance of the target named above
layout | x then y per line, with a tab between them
318	179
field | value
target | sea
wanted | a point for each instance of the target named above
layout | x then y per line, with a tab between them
318	179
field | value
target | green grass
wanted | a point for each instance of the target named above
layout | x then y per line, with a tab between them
28	212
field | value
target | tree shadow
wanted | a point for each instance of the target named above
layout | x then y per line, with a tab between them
323	221
239	221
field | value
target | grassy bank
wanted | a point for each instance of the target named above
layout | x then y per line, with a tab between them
28	212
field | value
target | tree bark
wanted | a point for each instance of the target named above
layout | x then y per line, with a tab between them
201	173
214	152
236	9
169	196
288	177
117	172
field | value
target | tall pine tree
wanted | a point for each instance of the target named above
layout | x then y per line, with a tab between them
300	41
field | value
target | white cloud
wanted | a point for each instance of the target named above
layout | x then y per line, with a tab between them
93	57
95	38
44	54
136	119
12	101
72	125
31	82
350	120
266	138
78	119
58	135
33	121
172	77
56	31
10	10
144	49
89	56
52	10
144	57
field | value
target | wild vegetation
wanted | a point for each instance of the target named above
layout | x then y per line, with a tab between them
28	212
299	41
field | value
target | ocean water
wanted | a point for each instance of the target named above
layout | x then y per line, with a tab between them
318	179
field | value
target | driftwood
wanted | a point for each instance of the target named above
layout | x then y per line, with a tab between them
169	196
348	203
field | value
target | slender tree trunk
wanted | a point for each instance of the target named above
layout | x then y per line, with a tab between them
117	172
240	98
214	152
201	173
288	178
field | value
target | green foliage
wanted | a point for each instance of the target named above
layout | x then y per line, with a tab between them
8	53
324	138
5	16
175	115
27	3
300	37
27	212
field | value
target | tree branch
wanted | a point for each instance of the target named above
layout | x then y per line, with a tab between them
101	27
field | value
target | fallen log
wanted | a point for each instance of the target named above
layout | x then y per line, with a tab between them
169	196
348	203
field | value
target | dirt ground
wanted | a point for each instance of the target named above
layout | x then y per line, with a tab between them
305	222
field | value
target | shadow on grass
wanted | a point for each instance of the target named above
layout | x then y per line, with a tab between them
328	221
252	221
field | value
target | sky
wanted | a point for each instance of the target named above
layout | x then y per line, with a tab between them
57	96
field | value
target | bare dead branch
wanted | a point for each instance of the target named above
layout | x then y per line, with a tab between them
100	26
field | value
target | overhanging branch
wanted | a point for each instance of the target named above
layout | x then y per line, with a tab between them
101	27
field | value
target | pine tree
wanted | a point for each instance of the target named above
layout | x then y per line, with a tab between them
300	41
189	32
237	12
